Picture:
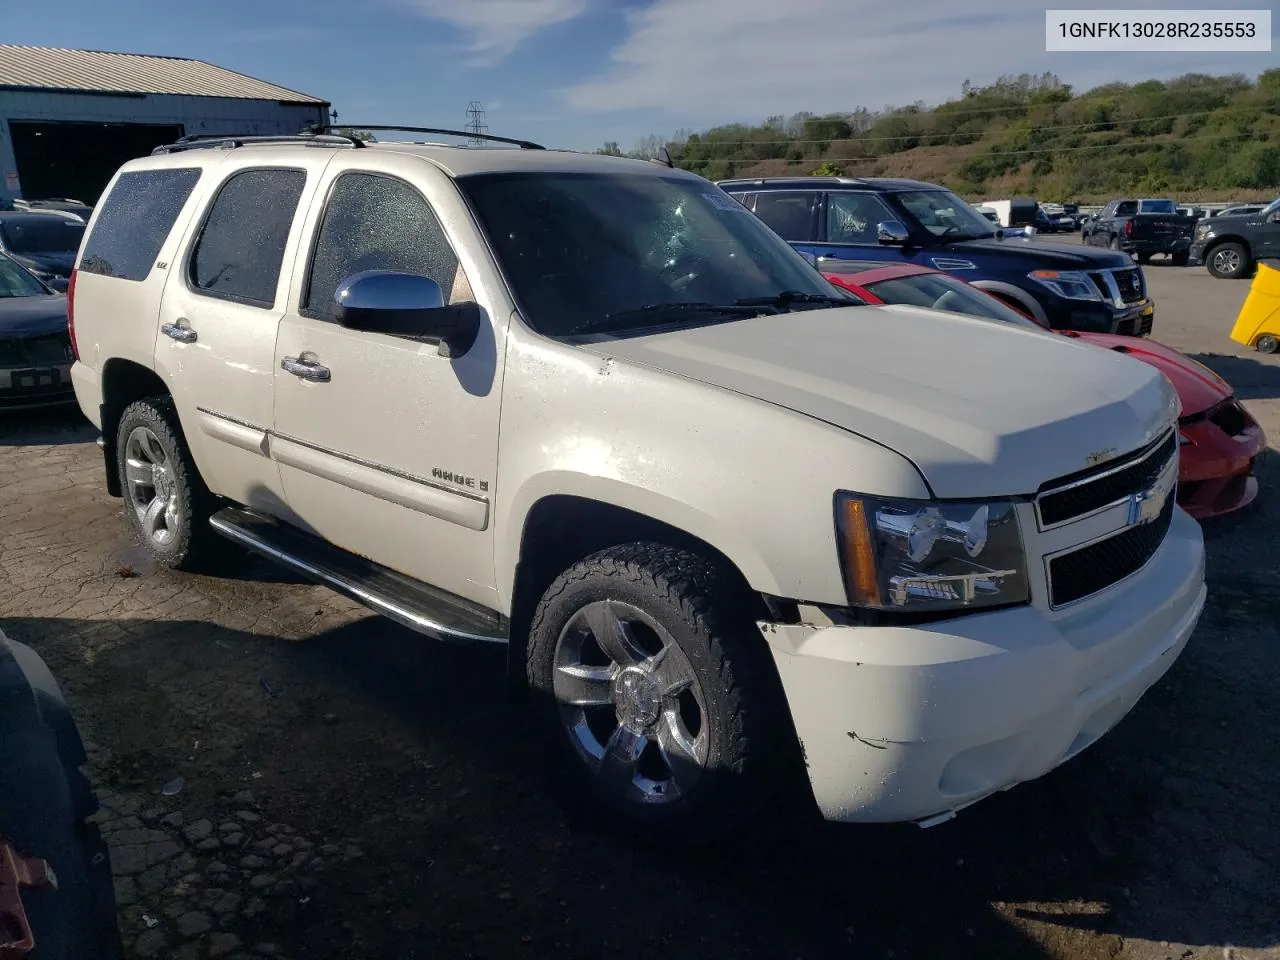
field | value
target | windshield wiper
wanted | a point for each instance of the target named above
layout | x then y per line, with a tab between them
623	318
784	300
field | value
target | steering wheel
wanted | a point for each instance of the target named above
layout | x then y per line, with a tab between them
949	301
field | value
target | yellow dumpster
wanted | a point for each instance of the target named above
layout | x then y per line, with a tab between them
1258	324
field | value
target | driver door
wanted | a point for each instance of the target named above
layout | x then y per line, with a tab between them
386	448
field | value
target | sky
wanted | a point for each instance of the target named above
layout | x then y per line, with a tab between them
577	73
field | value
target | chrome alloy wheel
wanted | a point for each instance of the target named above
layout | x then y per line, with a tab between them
631	703
153	490
1226	261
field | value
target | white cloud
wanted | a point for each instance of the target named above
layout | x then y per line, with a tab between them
751	58
494	28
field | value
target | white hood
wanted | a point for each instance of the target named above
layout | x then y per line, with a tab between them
982	409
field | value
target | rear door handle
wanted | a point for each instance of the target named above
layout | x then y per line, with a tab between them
179	331
305	369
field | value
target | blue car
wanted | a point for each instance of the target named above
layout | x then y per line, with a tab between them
1065	285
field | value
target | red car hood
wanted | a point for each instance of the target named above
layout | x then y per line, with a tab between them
1198	387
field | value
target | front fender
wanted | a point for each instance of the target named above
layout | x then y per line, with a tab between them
754	480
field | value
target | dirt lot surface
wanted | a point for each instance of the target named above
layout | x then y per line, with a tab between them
350	790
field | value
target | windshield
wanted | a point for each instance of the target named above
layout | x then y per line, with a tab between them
16	282
1157	206
938	291
579	248
42	234
944	214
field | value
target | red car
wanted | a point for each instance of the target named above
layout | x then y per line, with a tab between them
1220	440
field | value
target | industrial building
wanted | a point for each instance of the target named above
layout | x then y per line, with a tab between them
69	118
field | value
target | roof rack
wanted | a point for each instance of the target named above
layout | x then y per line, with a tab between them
203	141
321	129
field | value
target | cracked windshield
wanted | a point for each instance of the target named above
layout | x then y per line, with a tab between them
674	479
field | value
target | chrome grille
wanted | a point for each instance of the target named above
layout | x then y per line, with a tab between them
1091	569
1129	284
1089	491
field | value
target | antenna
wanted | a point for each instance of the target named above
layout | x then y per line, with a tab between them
475	123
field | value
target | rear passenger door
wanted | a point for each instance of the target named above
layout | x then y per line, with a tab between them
791	214
218	319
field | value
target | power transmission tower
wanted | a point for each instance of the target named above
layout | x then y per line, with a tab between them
475	123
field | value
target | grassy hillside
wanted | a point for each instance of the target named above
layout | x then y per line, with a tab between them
1196	137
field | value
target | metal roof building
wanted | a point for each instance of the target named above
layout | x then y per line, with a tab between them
69	118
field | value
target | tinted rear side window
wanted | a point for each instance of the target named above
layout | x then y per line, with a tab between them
134	221
789	213
241	244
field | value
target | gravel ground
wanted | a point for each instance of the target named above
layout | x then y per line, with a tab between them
350	790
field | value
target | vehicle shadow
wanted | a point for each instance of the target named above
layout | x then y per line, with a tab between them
45	427
369	731
1252	379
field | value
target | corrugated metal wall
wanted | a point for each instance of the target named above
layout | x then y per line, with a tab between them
195	114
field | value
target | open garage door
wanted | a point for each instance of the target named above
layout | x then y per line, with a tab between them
78	159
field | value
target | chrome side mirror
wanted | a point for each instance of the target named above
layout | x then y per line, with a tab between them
406	305
892	233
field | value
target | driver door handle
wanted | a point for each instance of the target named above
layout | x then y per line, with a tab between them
179	331
305	369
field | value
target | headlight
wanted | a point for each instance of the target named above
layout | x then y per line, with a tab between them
916	555
1072	284
1203	229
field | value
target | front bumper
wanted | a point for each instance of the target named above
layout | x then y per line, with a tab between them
1097	316
1196	253
1216	470
914	723
25	388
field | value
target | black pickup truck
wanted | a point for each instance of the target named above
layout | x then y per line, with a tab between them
1230	245
1142	228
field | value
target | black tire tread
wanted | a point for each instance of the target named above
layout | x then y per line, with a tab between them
199	546
711	602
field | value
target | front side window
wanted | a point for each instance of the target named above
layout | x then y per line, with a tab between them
241	246
944	214
854	217
16	282
376	222
630	249
788	213
42	233
134	221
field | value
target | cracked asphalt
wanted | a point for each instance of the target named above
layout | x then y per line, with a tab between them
349	789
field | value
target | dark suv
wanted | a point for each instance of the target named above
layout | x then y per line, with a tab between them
1067	286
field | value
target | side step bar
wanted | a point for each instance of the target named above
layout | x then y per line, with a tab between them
413	604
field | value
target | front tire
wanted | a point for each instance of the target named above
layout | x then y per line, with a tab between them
663	702
167	502
1228	261
1267	344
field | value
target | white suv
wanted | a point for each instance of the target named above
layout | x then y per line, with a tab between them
734	526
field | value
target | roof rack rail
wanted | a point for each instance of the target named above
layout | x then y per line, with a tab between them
320	129
203	141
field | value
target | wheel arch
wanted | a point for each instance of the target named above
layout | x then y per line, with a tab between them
1218	241
558	529
123	382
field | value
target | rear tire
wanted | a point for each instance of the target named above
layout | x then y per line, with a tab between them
1144	258
661	700
1180	259
166	500
1228	261
1267	344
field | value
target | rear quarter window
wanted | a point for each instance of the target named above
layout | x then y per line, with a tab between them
134	220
